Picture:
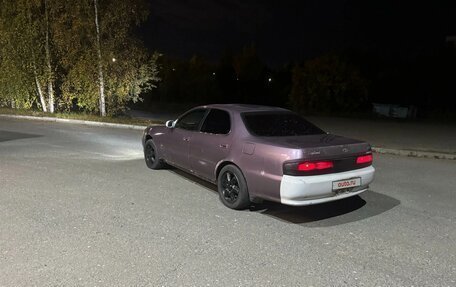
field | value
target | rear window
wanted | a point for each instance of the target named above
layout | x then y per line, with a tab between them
279	124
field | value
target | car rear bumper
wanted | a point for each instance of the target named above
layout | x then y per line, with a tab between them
308	190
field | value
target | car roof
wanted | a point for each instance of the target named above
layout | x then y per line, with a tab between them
240	108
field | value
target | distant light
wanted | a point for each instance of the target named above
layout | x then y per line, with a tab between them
113	59
213	74
270	80
174	69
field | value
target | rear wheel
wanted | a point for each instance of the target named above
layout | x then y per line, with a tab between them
151	157
232	188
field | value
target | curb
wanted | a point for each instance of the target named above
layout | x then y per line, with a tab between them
380	150
81	122
414	153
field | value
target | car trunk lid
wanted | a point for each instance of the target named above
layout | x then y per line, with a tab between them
321	146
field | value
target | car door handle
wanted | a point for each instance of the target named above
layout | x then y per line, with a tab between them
223	145
186	139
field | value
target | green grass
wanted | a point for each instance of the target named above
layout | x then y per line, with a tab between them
81	116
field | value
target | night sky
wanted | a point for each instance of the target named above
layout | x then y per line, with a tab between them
288	31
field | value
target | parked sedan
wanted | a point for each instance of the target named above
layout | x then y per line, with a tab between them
257	152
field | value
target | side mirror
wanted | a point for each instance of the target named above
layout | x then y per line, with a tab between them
170	124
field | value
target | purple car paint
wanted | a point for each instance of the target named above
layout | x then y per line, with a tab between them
264	153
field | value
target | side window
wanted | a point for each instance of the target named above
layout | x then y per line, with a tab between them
217	122
191	120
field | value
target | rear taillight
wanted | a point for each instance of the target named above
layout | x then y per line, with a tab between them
326	166
364	159
309	166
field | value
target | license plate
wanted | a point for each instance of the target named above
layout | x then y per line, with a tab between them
346	183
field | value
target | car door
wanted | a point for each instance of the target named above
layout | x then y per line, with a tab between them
177	145
212	144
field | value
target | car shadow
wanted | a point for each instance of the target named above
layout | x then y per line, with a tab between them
193	178
368	204
11	136
347	210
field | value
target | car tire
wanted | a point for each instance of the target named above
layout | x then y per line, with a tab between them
151	156
232	188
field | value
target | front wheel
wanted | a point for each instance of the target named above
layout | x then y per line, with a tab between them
232	188
150	155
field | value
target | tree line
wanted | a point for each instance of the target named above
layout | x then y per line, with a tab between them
79	55
319	85
344	82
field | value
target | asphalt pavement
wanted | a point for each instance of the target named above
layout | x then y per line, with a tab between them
78	207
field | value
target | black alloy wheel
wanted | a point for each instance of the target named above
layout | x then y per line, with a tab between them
232	188
150	155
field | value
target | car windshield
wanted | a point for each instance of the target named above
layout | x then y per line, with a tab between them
279	124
